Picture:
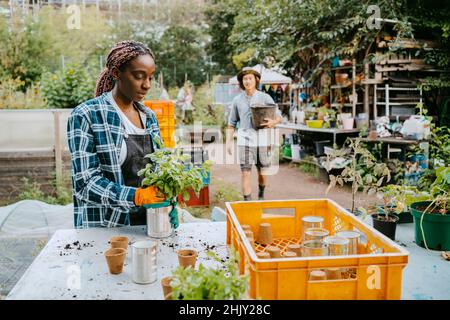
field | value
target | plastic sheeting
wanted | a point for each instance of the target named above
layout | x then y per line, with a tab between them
32	218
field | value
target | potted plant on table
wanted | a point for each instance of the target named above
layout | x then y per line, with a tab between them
209	283
432	218
173	174
401	197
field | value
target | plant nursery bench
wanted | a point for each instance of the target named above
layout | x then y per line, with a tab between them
73	266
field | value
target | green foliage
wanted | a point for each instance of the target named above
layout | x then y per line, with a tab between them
300	35
205	112
12	97
170	172
398	198
68	88
34	44
226	192
61	194
440	192
308	167
220	18
210	283
440	146
180	53
378	173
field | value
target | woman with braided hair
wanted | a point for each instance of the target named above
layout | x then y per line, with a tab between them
108	138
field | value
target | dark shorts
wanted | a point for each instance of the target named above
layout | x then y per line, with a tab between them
259	156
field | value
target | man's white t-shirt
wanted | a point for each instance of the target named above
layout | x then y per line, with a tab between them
129	127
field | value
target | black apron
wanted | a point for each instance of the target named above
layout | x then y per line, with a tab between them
137	147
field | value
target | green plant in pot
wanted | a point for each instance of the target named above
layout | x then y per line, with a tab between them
209	283
432	218
173	174
401	197
386	221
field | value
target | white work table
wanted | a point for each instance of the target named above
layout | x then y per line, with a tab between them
51	274
81	272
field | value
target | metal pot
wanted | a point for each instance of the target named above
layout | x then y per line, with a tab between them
144	262
158	222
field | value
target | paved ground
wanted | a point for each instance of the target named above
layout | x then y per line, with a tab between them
288	183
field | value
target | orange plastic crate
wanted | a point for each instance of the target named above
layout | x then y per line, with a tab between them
374	273
161	107
168	137
166	121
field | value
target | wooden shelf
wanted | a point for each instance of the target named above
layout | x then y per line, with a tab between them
338	86
342	68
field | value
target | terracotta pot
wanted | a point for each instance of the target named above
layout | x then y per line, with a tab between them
167	289
168	296
317	275
295	248
119	242
265	236
263	255
274	252
248	233
246	227
115	259
334	273
289	254
187	257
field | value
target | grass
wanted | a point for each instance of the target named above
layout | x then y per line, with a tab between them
309	167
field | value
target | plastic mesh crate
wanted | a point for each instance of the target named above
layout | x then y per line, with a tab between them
374	273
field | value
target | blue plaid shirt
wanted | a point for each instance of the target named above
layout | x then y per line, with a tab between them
95	135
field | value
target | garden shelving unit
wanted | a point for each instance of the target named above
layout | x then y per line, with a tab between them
397	100
336	89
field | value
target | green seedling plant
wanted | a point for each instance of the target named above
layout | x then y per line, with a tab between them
173	174
209	283
355	174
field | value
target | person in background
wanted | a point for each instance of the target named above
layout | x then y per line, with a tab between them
109	136
184	101
254	147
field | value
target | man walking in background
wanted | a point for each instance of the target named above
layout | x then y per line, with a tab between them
254	146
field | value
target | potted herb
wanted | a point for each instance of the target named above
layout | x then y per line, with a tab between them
173	174
210	283
432	218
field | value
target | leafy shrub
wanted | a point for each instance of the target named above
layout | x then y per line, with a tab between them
68	88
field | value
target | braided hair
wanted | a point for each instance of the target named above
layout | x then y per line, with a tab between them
118	57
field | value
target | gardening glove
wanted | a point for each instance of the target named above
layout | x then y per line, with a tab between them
173	215
147	195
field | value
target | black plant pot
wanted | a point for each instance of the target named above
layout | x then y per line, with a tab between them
403	217
385	227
